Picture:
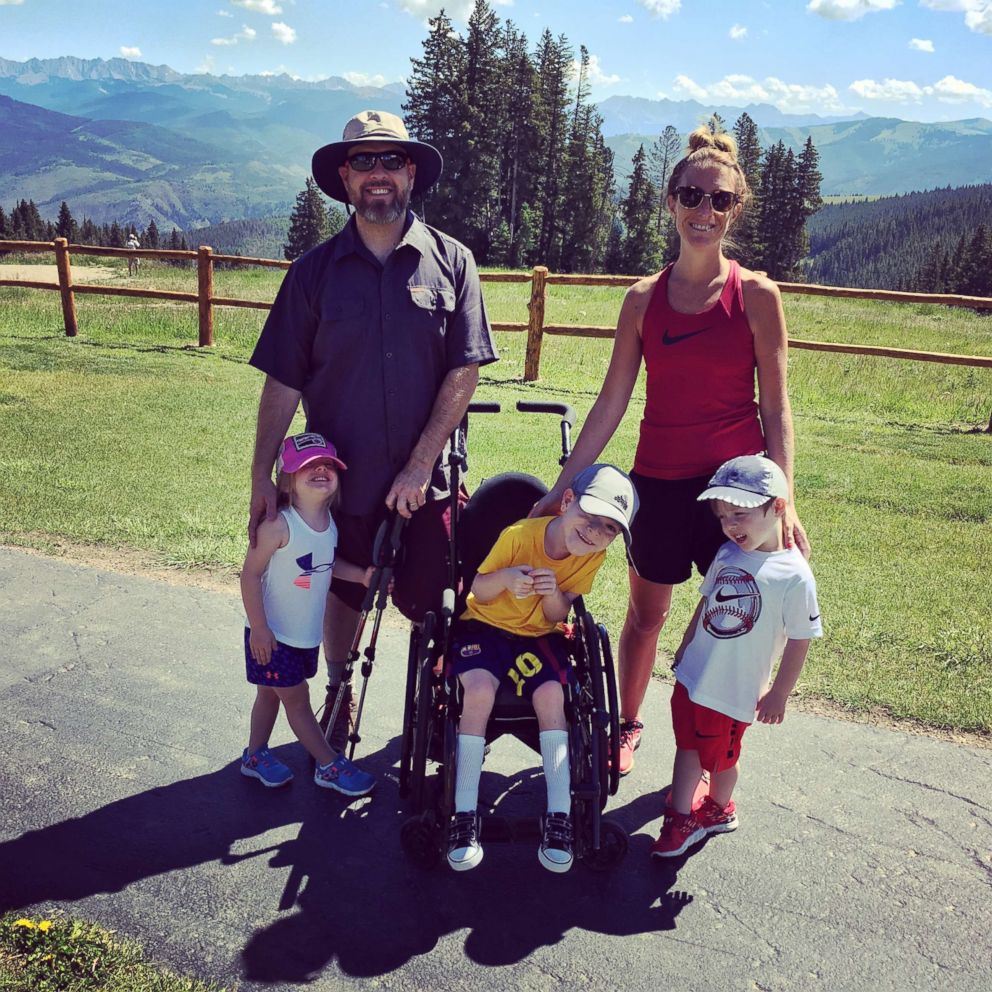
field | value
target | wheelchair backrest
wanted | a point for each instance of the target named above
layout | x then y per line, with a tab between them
498	502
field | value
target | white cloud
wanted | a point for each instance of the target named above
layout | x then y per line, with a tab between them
245	34
848	10
284	32
269	7
977	13
130	52
739	90
953	90
206	66
738	32
950	89
364	79
423	10
594	73
626	19
921	44
662	8
11	3
224	13
892	90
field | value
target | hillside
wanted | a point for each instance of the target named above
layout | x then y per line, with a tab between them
262	237
885	243
876	156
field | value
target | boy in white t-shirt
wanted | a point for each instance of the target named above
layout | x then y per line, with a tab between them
758	605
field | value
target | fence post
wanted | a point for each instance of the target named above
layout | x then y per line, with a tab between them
65	287
205	290
535	325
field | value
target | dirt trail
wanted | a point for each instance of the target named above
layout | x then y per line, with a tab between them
49	273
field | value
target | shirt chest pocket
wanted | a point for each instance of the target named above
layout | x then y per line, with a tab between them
341	332
432	306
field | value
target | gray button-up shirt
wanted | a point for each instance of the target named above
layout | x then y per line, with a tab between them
368	345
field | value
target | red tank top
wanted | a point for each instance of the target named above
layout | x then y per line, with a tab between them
700	407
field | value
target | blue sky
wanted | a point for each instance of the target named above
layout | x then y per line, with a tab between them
914	59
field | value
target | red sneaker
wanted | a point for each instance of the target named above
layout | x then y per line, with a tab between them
630	741
713	819
678	833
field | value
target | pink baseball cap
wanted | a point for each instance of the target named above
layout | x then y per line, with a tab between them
302	449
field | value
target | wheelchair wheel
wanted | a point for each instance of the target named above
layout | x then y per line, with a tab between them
423	716
610	677
601	716
612	849
409	710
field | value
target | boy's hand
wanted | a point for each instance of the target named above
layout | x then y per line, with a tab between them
367	577
545	583
518	581
771	707
262	644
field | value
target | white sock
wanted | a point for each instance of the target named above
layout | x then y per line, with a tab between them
557	775
468	771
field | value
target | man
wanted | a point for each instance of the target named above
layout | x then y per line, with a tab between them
380	331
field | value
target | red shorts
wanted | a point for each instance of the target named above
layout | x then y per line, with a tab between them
716	736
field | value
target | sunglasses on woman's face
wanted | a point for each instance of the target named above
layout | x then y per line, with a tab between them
721	200
365	161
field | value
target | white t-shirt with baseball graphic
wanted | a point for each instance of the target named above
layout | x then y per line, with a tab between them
754	602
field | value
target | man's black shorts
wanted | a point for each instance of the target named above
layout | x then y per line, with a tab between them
422	570
672	530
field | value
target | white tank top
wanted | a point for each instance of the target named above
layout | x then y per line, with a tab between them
296	580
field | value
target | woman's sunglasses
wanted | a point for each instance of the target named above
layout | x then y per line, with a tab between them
691	196
365	161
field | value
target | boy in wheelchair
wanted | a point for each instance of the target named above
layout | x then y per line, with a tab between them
509	634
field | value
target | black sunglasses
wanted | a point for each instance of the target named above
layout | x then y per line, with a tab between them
721	201
365	161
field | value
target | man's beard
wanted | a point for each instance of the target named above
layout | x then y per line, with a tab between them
383	211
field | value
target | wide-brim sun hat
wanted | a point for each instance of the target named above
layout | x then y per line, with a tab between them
374	127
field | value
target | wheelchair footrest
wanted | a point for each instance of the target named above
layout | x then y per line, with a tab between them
510	829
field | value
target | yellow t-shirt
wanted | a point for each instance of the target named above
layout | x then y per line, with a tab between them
522	543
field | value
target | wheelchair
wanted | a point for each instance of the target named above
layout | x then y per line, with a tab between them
432	705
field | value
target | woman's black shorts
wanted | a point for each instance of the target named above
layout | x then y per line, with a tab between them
672	530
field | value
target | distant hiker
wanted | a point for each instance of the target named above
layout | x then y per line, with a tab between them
284	584
380	331
707	330
132	263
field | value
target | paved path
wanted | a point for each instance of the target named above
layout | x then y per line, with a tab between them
863	860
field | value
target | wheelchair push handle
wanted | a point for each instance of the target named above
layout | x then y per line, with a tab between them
563	410
483	406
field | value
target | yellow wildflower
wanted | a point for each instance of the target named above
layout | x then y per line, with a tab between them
45	926
30	924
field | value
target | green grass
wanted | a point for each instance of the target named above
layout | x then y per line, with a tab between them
65	955
130	436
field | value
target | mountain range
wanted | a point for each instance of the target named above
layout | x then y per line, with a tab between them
129	141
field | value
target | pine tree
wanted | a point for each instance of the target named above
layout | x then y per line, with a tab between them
436	112
550	111
716	124
744	234
640	248
306	223
4	233
662	158
151	238
65	226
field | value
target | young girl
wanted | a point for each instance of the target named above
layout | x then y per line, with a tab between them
284	586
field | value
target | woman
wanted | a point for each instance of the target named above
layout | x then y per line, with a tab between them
704	328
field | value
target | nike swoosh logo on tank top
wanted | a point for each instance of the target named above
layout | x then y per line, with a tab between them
670	338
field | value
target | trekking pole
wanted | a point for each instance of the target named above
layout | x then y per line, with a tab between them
370	596
381	592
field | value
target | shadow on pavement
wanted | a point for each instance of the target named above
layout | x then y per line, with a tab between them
351	895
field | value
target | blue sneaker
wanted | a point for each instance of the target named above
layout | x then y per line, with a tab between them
343	776
266	767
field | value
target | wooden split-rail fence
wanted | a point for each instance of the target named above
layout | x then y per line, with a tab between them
535	327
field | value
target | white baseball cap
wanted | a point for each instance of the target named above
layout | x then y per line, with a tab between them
748	481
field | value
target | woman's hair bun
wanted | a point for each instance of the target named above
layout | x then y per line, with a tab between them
703	137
